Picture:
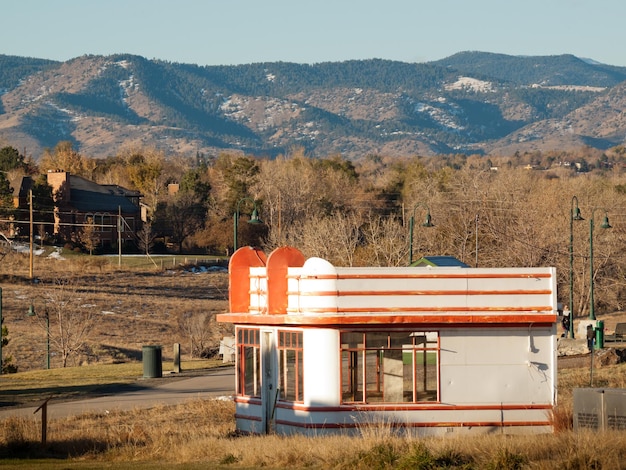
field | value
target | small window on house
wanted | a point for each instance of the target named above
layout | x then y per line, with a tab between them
108	224
389	367
249	362
290	365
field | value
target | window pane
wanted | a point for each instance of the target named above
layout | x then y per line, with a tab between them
351	377
290	393
397	376
376	340
419	338
300	382
373	375
251	371
400	339
290	365
352	340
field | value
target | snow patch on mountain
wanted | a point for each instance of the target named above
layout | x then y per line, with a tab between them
471	84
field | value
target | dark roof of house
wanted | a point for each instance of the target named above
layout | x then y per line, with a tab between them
21	185
92	201
443	261
87	196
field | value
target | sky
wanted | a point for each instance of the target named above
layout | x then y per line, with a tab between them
230	32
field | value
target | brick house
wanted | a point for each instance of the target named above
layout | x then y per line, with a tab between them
112	208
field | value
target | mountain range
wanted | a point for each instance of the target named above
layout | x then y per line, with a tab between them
469	103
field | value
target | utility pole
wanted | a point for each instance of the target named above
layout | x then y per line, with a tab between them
119	236
30	197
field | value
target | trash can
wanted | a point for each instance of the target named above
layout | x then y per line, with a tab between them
599	334
152	361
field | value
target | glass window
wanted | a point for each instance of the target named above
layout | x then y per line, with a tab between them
290	365
389	367
249	356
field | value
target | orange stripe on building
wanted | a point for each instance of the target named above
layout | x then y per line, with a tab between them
419	292
351	407
417	310
438	424
428	275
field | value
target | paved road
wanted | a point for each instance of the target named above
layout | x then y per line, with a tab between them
144	394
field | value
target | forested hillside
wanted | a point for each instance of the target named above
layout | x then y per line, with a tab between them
564	69
470	103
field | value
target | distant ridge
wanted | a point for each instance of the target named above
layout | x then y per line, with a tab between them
471	102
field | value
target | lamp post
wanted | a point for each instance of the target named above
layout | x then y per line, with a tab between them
254	219
573	215
32	313
605	224
427	223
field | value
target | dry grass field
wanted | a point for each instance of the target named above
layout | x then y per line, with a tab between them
201	434
129	306
138	307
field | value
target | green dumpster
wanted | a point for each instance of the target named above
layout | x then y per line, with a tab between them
599	334
152	362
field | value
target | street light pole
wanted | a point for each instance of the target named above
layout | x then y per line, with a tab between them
427	223
573	215
254	219
605	224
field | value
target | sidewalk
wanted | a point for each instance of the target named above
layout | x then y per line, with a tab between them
165	391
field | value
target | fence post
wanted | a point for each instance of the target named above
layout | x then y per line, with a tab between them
177	367
44	420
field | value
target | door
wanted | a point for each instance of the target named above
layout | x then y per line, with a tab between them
269	392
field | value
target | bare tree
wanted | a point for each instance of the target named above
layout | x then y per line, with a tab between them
68	315
146	237
196	326
386	242
334	238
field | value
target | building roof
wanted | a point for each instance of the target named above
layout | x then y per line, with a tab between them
447	261
93	201
87	196
21	185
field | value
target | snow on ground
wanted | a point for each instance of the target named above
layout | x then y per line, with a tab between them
471	84
25	248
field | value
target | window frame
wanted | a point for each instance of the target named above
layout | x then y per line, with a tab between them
363	355
290	352
248	346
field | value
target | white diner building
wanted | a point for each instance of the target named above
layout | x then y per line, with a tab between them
433	350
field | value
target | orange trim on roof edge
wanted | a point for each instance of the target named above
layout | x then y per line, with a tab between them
389	319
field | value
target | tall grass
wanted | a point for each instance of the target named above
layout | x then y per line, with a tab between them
201	434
